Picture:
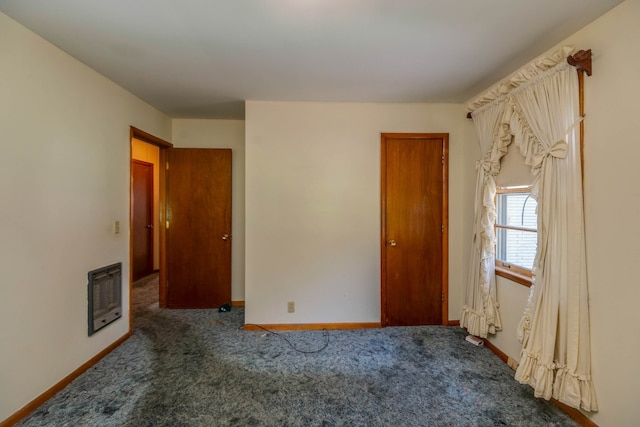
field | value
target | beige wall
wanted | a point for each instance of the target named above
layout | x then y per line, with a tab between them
140	150
64	180
612	204
313	206
199	133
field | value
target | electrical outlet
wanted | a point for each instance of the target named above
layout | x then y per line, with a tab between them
291	307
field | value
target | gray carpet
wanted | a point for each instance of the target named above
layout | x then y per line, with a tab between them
198	368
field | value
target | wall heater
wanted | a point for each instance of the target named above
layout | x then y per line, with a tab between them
105	296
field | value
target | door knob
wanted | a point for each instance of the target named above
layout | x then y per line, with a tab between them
392	243
150	226
225	236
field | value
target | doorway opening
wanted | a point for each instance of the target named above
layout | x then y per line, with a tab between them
146	241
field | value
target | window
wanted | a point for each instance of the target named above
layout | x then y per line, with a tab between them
516	232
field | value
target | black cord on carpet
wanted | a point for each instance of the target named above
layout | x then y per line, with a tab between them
326	335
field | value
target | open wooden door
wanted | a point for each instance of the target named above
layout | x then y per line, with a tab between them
414	229
198	227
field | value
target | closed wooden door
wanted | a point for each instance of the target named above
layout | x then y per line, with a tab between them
414	229
142	219
199	227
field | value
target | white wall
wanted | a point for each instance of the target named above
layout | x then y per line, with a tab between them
64	179
313	206
512	297
200	133
612	204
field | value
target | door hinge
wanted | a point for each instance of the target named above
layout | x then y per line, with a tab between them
166	166
443	297
443	228
443	160
166	225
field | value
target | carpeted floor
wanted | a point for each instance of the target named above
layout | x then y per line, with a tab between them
198	368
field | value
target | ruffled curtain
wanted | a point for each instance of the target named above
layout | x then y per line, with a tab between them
556	353
540	105
480	315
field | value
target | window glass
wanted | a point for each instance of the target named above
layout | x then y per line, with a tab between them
516	225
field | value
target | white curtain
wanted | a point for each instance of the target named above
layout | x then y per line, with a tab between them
480	315
540	105
556	353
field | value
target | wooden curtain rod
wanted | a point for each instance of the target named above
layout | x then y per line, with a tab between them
581	60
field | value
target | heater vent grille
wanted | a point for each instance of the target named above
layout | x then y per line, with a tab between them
105	296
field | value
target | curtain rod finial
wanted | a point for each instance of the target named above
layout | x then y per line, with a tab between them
581	60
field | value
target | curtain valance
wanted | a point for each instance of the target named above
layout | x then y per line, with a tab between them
527	74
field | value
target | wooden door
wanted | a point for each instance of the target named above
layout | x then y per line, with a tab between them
414	229
199	227
142	219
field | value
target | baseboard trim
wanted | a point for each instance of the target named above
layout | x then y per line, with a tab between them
35	403
453	323
237	303
574	413
503	356
310	326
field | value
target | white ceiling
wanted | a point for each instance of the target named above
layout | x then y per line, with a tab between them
203	58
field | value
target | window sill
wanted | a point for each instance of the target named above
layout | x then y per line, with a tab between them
514	277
